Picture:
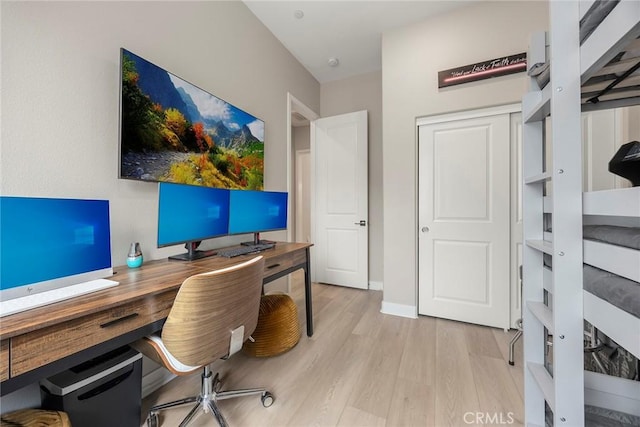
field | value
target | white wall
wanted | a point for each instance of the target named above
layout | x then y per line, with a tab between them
411	59
632	120
60	80
603	132
357	93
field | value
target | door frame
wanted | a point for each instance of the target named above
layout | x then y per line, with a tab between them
467	114
295	105
450	117
515	241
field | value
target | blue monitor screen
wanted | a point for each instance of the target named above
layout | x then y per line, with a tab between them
44	240
257	211
188	213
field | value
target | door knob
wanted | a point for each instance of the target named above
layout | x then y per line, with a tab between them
362	223
425	229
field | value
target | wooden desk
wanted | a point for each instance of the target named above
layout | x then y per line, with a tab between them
41	342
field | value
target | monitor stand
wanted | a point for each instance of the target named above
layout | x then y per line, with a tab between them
256	241
192	253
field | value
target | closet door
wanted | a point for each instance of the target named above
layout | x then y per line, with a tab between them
464	219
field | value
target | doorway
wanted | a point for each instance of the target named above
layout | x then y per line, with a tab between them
345	134
299	117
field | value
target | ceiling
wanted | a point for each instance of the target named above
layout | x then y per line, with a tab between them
349	31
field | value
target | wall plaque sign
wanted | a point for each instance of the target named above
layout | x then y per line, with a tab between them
483	70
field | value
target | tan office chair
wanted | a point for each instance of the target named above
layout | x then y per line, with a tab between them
213	314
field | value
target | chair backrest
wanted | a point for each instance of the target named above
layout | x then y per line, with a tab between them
208	307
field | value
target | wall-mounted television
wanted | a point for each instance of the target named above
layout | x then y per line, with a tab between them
189	214
257	211
173	131
50	243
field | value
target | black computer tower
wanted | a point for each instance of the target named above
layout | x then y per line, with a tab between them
102	392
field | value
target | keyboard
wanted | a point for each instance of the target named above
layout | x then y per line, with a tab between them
244	250
29	302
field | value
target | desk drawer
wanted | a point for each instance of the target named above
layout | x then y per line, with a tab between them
4	360
37	348
282	262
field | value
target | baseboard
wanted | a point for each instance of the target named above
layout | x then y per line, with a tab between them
401	310
375	286
154	380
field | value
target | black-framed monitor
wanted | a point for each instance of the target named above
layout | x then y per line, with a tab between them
49	243
257	211
188	214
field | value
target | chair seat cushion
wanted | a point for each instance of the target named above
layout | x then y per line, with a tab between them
278	327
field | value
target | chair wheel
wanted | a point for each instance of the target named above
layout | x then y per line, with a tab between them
152	419
267	399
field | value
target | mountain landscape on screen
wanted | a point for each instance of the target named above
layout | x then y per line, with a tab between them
171	130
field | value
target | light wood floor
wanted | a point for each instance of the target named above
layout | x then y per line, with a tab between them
364	368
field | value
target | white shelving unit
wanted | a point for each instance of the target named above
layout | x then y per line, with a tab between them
553	298
563	388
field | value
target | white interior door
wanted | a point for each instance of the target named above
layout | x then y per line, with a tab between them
340	200
464	220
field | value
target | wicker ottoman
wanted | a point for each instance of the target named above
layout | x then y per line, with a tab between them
278	330
35	418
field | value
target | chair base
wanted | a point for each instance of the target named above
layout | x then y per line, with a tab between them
206	401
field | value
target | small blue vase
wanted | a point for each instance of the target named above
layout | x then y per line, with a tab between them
134	262
134	259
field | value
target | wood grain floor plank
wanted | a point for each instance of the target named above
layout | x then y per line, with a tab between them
369	323
481	341
412	404
418	361
324	404
455	388
498	396
365	368
353	417
381	368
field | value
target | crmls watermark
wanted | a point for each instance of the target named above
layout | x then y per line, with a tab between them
488	418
